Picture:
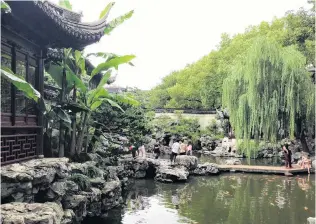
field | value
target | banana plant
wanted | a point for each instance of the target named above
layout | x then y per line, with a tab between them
86	100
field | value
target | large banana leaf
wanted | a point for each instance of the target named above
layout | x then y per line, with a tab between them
106	56
62	114
117	21
56	72
29	91
113	63
125	99
106	10
72	80
113	104
104	79
74	107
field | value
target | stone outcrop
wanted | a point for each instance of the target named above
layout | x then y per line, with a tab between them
171	174
206	169
25	213
89	188
81	189
190	162
233	162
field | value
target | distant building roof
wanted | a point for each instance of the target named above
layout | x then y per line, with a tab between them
115	89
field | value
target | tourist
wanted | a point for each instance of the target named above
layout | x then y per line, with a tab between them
189	148
174	150
133	150
183	148
288	156
306	162
156	151
142	151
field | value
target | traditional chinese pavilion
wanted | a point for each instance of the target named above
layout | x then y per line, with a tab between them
26	35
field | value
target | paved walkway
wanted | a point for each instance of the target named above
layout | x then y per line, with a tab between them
263	169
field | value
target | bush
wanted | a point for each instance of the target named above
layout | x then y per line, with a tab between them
82	181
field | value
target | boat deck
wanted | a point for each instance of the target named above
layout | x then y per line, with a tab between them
264	169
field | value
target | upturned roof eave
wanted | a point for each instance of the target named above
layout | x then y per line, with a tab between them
69	30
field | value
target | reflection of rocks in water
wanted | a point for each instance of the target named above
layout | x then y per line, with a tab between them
301	182
280	200
113	216
175	201
138	200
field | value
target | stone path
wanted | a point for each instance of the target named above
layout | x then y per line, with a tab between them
263	169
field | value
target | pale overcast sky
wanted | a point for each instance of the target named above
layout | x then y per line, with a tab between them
166	35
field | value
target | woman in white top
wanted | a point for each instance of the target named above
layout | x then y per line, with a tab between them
142	152
174	151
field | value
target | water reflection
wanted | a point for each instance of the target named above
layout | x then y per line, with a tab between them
224	199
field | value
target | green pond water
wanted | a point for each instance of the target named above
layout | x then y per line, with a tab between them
225	199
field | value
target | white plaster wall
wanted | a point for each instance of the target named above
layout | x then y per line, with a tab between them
204	119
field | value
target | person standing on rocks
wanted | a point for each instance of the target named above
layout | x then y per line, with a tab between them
183	148
174	150
133	150
156	151
189	148
141	151
288	156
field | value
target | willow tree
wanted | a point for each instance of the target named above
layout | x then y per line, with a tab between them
269	93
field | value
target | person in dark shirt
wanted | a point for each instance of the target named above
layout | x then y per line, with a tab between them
288	156
133	150
156	151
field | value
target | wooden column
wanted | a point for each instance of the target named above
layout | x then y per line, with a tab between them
40	87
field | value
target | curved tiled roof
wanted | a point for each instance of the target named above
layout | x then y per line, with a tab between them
71	23
52	26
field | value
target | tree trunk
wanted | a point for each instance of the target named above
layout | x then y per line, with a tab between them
97	133
82	132
73	126
304	142
302	136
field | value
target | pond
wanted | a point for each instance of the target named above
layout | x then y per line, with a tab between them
224	199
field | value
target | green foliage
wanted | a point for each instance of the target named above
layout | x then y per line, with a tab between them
249	148
65	4
134	123
268	89
82	181
5	7
19	82
117	21
106	10
112	63
182	127
93	172
199	85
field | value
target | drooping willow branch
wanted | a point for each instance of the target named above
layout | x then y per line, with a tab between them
267	90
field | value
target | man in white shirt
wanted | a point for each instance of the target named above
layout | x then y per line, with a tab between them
174	150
